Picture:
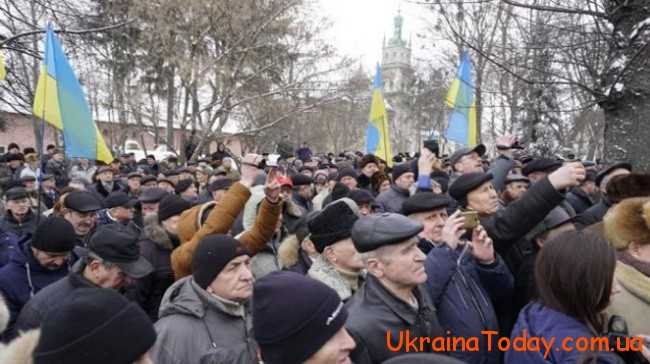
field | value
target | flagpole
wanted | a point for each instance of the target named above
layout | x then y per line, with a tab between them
42	134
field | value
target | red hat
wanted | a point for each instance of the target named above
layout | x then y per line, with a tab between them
284	181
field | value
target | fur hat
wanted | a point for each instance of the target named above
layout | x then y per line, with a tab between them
628	221
627	186
367	159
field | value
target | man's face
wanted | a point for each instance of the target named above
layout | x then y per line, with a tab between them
134	184
19	207
365	209
369	169
349	182
82	222
51	261
151	161
515	190
149	208
190	192
306	192
345	255
104	277
123	213
483	199
106	176
590	188
405	181
166	186
433	222
30	185
49	184
171	224
403	264
58	157
469	163
14	164
235	281
335	351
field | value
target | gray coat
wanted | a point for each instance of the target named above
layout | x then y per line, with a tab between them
195	326
392	199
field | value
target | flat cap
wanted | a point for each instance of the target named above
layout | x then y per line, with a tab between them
83	201
467	183
148	179
424	202
15	193
610	169
119	199
152	194
134	175
541	165
460	153
374	231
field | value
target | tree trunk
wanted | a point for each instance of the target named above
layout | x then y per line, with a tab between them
627	110
170	106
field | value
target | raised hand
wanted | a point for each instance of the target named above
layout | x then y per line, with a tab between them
272	187
453	230
570	175
482	246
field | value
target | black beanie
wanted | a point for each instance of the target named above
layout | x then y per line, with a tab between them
361	196
291	334
346	172
212	254
172	205
400	169
95	325
339	191
333	223
183	185
54	235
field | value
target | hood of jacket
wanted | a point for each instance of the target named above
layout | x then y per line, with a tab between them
155	232
190	221
185	297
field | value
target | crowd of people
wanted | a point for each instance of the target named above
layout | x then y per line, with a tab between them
322	258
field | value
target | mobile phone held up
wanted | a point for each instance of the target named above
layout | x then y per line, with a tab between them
471	219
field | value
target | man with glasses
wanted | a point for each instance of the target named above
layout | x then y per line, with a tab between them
19	219
112	260
34	264
80	209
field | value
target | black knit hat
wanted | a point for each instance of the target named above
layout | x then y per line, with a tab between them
212	254
339	191
54	235
333	223
112	331
361	196
291	334
301	180
172	205
367	159
346	172
400	169
183	185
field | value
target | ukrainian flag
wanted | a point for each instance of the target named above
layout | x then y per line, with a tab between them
377	133
61	102
463	127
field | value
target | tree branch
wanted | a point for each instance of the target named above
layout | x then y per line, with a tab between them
553	9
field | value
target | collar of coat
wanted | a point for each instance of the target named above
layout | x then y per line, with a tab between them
322	270
155	232
402	309
633	281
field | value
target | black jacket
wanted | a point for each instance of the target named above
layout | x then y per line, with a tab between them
594	214
100	191
20	229
374	311
579	200
50	298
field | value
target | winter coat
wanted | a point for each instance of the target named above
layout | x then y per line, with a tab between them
323	271
59	170
392	199
49	298
22	278
594	214
579	200
78	172
292	257
8	242
544	322
193	324
374	311
20	229
633	301
218	222
465	293
266	260
156	246
304	153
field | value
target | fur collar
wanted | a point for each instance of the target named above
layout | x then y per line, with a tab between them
325	272
155	232
633	281
20	350
289	250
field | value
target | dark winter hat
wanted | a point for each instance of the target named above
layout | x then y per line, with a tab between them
541	165
467	183
374	231
13	146
291	334
14	157
339	191
119	199
333	223
512	178
134	175
183	185
212	254
301	180
118	244
346	172
220	184
423	358
172	205
16	193
400	169
611	169
460	153
152	195
82	201
28	178
424	202
626	186
368	159
113	330
54	235
361	196
148	179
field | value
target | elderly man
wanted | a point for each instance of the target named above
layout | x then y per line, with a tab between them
595	213
80	209
19	219
120	209
393	301
150	200
515	186
105	183
403	179
112	260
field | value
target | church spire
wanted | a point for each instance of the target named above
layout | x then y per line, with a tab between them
398	22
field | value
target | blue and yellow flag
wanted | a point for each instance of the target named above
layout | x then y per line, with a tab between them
3	71
61	102
463	127
377	133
